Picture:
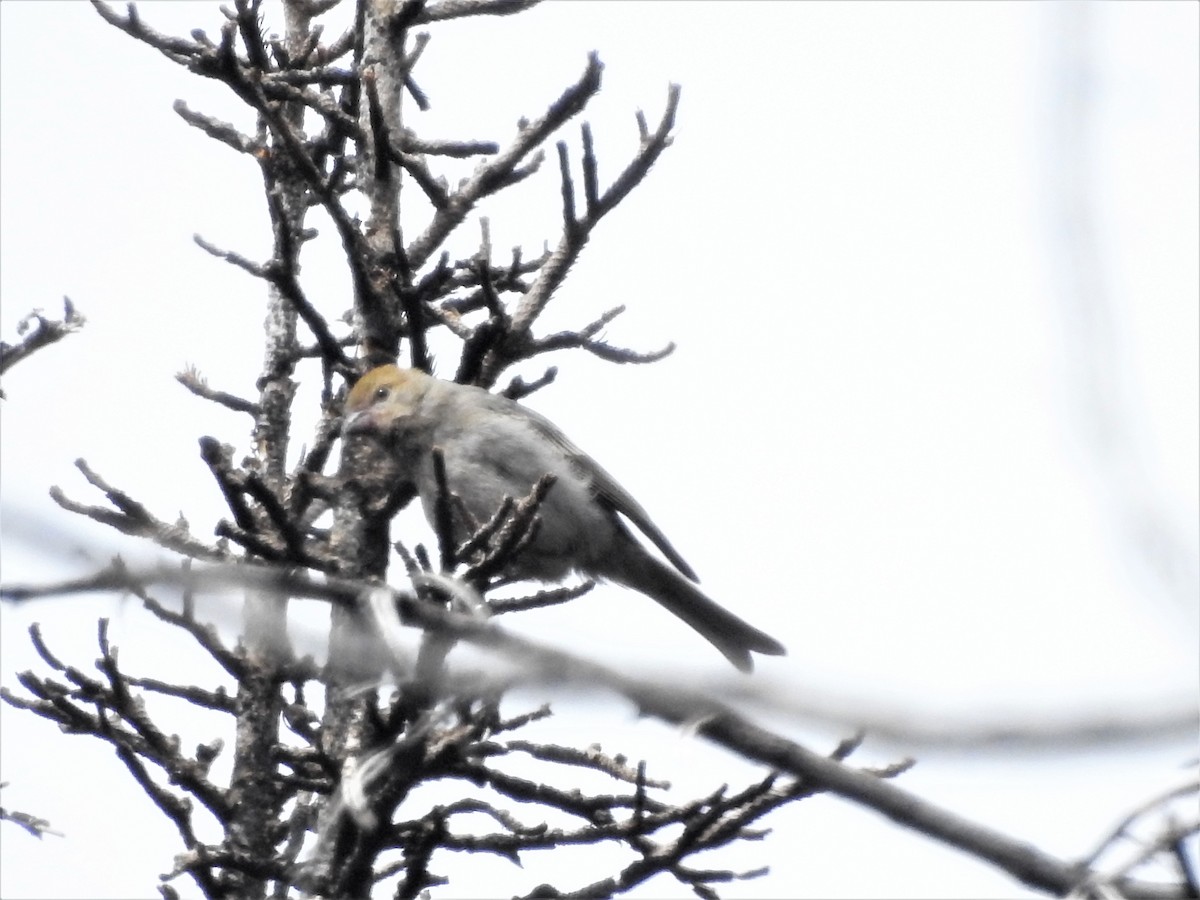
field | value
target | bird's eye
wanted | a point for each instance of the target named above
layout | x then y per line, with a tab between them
381	393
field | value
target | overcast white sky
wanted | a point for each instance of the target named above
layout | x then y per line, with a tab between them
874	441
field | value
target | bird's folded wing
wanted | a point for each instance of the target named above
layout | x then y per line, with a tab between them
609	492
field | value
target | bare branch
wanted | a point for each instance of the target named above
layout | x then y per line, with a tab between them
219	131
541	599
575	232
443	10
258	270
518	387
175	49
583	339
35	825
44	332
132	518
191	379
490	176
412	143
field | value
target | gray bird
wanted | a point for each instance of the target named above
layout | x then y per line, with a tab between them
493	448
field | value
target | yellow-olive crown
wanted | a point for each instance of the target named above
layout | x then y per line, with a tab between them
380	379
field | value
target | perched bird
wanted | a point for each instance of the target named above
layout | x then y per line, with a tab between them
493	448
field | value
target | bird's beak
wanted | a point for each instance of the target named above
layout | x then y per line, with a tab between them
357	423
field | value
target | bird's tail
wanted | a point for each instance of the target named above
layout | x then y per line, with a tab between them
734	637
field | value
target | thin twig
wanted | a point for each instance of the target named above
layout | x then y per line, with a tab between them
44	332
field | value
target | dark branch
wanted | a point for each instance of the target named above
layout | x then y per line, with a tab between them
43	333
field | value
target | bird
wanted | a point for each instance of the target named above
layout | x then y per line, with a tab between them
494	448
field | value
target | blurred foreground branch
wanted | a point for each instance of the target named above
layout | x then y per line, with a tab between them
384	611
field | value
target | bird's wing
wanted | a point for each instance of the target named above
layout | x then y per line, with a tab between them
604	487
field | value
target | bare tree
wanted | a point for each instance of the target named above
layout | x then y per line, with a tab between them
323	756
330	133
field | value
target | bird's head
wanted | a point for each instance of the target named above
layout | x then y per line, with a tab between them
383	397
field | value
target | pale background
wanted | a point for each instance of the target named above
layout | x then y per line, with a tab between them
873	440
